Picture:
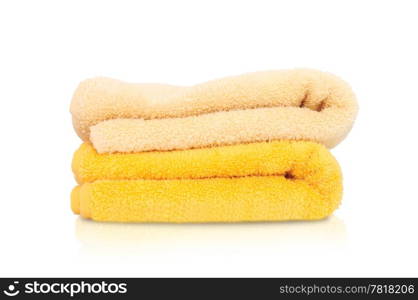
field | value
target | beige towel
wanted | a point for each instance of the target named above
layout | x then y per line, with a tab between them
262	106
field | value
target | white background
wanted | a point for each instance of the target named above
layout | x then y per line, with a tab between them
47	47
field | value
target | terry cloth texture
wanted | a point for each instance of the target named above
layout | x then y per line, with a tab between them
256	182
216	129
262	106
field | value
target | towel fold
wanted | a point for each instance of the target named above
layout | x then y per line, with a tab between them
255	182
267	198
262	106
217	129
285	158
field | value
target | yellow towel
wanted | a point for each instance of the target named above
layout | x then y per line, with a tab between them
281	180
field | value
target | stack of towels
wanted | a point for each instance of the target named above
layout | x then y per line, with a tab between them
245	148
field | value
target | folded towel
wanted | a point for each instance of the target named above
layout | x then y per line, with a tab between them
295	104
255	182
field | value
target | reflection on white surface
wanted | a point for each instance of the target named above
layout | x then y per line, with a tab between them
115	238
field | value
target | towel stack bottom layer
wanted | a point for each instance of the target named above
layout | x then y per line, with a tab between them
281	180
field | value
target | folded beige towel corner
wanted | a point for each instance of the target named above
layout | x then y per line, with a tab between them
263	106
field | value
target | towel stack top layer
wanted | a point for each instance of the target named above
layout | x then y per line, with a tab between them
274	105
